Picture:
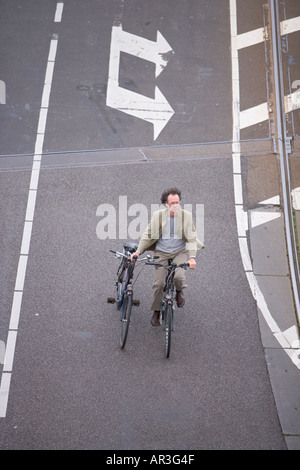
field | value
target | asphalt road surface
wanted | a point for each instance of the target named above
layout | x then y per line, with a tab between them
109	138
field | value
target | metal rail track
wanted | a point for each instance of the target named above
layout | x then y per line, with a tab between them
283	150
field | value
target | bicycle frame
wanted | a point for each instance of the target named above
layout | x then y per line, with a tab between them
124	284
168	304
124	278
169	292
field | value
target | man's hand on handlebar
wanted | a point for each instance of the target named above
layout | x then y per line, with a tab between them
192	263
134	254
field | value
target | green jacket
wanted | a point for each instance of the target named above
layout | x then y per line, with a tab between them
185	229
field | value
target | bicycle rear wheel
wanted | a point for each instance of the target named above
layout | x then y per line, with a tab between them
125	319
168	329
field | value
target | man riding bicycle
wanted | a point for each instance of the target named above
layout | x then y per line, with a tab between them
171	233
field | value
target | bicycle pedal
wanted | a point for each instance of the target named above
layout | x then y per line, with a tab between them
136	302
111	300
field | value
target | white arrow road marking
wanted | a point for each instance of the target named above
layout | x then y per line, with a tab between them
153	51
157	111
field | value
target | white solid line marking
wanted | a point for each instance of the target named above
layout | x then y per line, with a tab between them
35	173
238	189
58	12
42	120
20	279
4	392
52	51
26	238
10	351
39	144
242	220
243	243
31	204
46	95
15	311
49	73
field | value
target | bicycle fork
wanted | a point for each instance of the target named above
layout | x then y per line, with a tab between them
168	301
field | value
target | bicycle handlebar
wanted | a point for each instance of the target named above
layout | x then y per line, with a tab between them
135	258
183	265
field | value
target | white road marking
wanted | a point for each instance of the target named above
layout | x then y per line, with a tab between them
15	310
20	279
290	26
292	101
241	215
4	392
35	173
263	217
260	113
42	120
274	201
296	199
254	115
31	202
143	48
156	111
251	38
238	189
26	238
28	223
58	12
10	351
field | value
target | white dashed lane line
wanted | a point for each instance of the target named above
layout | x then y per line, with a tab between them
29	217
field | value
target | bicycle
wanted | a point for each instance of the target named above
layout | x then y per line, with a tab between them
124	284
168	300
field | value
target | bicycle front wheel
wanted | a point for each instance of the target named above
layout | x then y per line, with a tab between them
125	319
168	329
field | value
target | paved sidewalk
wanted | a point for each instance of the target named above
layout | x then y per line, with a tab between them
277	316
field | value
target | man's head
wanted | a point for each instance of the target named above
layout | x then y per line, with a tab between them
168	192
171	198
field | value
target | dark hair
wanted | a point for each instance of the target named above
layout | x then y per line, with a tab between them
165	194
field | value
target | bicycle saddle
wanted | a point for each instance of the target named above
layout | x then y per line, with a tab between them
131	247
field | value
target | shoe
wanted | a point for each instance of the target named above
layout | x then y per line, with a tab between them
155	320
180	299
